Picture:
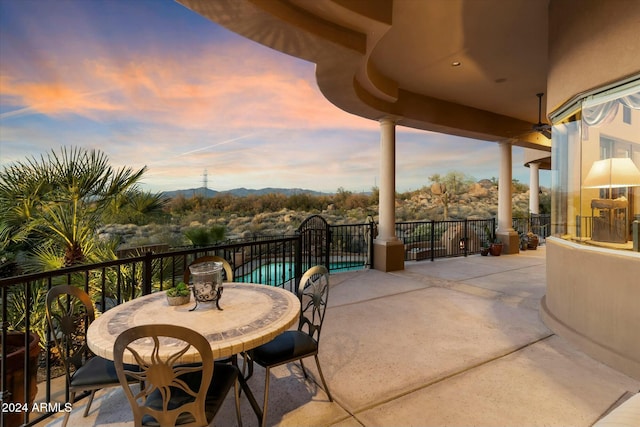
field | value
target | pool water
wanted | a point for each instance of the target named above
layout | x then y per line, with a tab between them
277	273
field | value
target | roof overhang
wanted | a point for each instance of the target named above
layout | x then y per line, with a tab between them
397	58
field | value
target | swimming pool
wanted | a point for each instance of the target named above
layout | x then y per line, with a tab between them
276	273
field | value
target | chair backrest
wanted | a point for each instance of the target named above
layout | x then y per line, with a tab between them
174	394
313	291
228	271
69	314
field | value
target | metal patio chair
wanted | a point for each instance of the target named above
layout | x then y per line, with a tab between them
174	394
69	313
291	346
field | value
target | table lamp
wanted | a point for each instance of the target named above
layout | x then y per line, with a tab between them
611	173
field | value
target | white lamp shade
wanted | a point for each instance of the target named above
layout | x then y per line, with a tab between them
613	173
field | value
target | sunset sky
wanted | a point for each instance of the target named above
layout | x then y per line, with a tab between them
152	83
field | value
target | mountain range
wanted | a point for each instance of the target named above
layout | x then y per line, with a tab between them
240	192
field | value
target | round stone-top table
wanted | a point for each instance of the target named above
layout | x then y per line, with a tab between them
252	315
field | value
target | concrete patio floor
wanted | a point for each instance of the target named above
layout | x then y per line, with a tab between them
455	342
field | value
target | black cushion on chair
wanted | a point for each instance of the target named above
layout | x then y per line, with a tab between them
286	346
97	371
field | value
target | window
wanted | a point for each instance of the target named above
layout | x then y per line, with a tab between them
594	139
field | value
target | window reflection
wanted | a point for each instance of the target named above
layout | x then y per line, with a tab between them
595	171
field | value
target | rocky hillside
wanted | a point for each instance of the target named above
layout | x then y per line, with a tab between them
480	201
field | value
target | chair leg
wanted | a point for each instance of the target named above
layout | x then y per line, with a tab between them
304	371
86	410
266	397
236	390
72	399
66	418
247	360
324	383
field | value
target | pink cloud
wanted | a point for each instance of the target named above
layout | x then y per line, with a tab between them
250	116
208	90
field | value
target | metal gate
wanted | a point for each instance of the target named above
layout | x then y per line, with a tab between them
315	242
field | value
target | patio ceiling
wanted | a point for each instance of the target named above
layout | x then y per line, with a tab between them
380	58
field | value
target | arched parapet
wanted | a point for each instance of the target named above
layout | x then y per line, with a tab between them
593	300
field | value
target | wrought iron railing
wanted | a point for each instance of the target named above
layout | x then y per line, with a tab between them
438	239
351	246
111	283
271	261
537	224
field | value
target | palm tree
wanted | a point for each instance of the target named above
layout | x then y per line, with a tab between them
53	204
137	207
145	203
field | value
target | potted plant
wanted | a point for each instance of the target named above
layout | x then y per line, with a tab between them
484	249
489	240
16	372
524	241
496	248
179	295
532	240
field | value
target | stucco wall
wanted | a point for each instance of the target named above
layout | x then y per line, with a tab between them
591	43
593	294
593	300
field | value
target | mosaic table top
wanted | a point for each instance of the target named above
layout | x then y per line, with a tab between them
251	315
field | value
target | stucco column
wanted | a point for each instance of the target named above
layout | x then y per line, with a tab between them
506	233
387	209
534	188
388	249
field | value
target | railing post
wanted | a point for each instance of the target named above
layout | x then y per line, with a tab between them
26	380
432	239
493	229
466	237
147	273
4	393
297	248
328	238
370	242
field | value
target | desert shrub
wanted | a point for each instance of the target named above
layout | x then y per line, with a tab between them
519	187
205	236
305	202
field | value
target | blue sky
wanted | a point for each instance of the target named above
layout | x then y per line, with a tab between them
152	83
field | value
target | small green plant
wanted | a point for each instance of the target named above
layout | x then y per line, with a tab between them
180	290
489	237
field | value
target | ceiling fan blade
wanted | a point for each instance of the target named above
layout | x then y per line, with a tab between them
541	128
546	133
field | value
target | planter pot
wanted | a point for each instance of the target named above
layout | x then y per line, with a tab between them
495	249
179	300
16	373
533	242
484	251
